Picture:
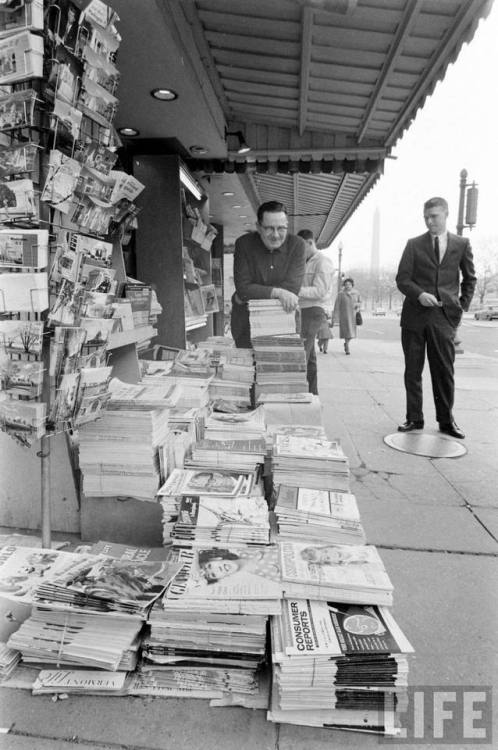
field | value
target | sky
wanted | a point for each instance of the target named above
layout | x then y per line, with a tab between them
456	129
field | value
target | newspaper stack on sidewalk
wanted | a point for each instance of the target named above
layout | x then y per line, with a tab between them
267	317
338	664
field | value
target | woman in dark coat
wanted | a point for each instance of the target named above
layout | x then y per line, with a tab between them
347	304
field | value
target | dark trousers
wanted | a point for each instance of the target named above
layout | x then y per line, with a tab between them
437	338
239	325
311	320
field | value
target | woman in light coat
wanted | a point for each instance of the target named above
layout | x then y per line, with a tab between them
347	304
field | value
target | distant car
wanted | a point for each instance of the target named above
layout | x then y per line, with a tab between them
487	313
379	311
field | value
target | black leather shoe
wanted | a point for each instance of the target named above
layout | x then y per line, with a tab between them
409	426
450	428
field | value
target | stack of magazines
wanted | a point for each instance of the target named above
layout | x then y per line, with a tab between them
349	573
320	516
267	317
235	455
119	453
203	521
246	426
321	462
340	665
280	366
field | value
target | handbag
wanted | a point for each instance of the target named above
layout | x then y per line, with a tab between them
359	319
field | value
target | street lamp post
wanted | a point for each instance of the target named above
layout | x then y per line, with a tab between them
467	217
339	277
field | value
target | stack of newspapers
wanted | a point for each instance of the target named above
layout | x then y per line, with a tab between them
245	425
316	462
234	379
280	363
235	455
337	664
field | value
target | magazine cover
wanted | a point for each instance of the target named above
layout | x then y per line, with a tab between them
340	505
207	482
226	573
209	298
23	568
28	248
341	566
313	628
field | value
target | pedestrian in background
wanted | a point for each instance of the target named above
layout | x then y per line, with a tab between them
267	264
347	304
436	275
324	335
314	302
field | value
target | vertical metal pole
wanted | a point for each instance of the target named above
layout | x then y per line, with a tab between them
339	279
44	453
461	202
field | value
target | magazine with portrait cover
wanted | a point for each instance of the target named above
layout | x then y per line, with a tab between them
217	482
235	579
351	573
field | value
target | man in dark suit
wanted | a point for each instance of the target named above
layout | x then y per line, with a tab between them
436	275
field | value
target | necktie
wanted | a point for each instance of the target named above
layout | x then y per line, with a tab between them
436	249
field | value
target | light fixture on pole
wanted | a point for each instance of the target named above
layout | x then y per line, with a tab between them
243	148
339	276
467	204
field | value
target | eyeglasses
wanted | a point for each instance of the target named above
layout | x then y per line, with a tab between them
270	230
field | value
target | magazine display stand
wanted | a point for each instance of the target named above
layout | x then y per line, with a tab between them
58	175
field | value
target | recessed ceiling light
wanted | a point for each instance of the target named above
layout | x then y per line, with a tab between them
242	216
198	150
236	205
228	193
247	224
129	132
164	95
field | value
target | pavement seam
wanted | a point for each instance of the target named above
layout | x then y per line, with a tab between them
75	740
470	553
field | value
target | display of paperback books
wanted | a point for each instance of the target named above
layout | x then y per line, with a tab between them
267	317
142	396
322	462
321	516
238	580
350	573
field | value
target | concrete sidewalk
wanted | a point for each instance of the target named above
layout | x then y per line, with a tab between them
435	522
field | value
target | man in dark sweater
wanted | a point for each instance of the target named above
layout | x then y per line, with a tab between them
268	264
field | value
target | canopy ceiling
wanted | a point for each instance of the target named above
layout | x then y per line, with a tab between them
320	89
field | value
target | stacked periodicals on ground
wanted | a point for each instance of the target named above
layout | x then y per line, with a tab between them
88	610
338	665
280	363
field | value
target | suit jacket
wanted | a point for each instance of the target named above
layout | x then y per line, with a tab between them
452	281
